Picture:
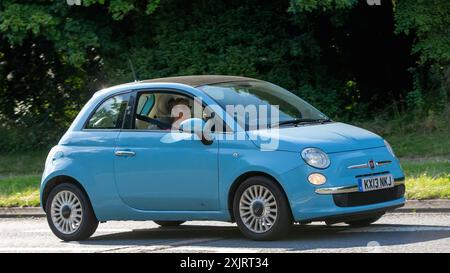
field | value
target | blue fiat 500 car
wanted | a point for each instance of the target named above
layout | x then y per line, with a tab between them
214	148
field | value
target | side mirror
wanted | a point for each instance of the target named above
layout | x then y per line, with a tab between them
195	126
192	125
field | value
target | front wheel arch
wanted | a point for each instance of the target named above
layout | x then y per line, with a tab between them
55	181
238	181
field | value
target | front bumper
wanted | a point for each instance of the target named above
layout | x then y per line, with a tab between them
308	203
342	196
353	188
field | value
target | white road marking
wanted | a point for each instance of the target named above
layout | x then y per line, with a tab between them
217	249
396	229
50	249
373	228
163	246
77	247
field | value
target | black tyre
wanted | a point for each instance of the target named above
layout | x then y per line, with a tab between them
261	210
70	214
364	222
169	223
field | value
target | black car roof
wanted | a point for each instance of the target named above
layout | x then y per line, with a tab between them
200	80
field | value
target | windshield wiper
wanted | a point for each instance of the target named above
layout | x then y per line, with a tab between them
322	120
301	120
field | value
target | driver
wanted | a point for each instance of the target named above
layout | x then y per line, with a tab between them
180	111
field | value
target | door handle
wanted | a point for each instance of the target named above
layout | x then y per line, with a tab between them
124	153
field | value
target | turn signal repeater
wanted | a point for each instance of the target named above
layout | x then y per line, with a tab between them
317	179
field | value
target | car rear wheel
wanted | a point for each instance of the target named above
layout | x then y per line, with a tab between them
169	223
261	210
364	222
70	214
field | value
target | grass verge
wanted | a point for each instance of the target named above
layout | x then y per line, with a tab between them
20	163
427	178
20	191
421	145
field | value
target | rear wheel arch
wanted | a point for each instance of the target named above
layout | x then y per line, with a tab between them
238	181
55	181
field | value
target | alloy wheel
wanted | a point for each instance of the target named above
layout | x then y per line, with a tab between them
258	208
66	212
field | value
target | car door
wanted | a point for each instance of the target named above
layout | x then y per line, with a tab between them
157	169
96	141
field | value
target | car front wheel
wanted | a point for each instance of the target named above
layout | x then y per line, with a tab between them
261	210
69	213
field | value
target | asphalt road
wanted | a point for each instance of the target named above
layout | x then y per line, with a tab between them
396	232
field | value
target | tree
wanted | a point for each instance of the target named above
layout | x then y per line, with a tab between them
429	21
53	56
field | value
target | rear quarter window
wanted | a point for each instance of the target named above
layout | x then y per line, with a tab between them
110	114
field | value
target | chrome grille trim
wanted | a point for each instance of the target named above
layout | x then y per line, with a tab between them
359	166
365	165
348	189
385	162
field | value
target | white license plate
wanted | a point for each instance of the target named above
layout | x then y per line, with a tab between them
373	183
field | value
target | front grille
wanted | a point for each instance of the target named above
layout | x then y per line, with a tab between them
367	198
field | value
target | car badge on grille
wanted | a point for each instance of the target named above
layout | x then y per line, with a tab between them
371	164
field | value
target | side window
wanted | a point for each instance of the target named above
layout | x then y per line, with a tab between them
145	104
110	114
157	111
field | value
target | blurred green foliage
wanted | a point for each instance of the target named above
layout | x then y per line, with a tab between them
351	60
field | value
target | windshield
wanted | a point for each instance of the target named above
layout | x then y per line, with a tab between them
257	95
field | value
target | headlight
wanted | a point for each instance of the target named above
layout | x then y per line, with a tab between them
316	158
388	146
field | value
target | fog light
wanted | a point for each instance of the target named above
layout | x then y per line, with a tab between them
317	179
